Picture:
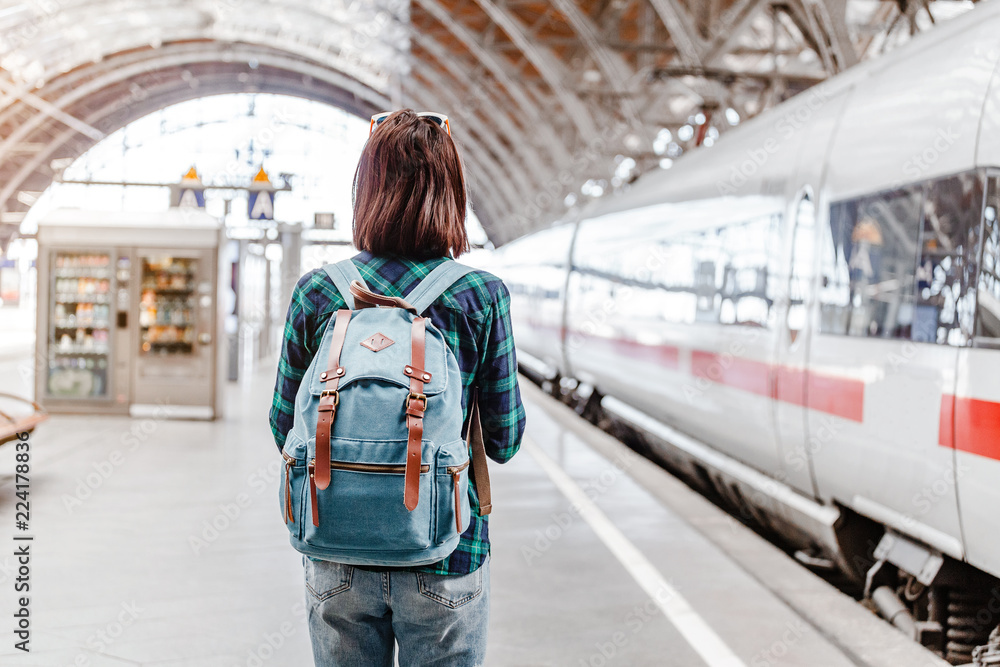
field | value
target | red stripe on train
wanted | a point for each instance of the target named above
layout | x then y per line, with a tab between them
745	374
840	396
791	386
967	424
946	434
976	425
844	397
666	355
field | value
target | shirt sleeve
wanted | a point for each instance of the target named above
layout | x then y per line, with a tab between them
296	353
500	408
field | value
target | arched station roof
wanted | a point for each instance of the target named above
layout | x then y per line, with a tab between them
544	96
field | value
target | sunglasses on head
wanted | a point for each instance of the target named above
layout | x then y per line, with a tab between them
439	118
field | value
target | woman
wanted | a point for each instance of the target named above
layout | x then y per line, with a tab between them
409	217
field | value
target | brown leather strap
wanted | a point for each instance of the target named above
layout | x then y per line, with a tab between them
365	298
329	399
416	404
480	471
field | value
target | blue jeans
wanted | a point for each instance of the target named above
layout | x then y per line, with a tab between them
356	615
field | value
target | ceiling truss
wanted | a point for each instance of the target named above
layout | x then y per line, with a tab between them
546	96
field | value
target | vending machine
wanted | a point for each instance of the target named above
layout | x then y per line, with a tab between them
128	313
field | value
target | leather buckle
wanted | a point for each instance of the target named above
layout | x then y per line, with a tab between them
416	397
329	407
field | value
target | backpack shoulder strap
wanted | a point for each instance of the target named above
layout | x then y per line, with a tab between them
421	297
342	273
480	470
435	283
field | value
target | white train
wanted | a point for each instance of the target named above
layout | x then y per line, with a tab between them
809	314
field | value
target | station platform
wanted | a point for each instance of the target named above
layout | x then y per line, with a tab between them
158	542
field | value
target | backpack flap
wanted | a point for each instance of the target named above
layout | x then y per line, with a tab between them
377	347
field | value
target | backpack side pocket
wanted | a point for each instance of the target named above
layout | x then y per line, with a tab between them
453	512
290	493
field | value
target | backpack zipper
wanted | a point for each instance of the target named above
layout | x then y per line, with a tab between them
368	467
455	471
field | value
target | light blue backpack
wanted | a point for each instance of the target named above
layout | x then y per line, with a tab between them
376	469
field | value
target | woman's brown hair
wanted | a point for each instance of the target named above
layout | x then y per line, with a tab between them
409	191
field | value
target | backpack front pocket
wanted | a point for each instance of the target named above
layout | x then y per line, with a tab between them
362	508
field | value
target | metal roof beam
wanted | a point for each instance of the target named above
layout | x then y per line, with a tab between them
732	25
496	67
548	66
551	169
818	28
477	97
682	32
484	131
537	120
158	60
728	76
830	18
616	71
12	93
136	63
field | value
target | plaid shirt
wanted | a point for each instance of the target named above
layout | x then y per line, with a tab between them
473	314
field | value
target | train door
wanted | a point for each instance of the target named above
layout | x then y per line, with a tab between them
975	405
893	303
789	377
796	328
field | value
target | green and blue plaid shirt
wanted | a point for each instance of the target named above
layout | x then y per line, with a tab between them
473	314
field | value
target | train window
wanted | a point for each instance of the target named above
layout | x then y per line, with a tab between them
902	264
731	272
835	283
943	310
869	264
673	280
715	275
988	296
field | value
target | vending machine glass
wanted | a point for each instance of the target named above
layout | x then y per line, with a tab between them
175	326
79	329
167	308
